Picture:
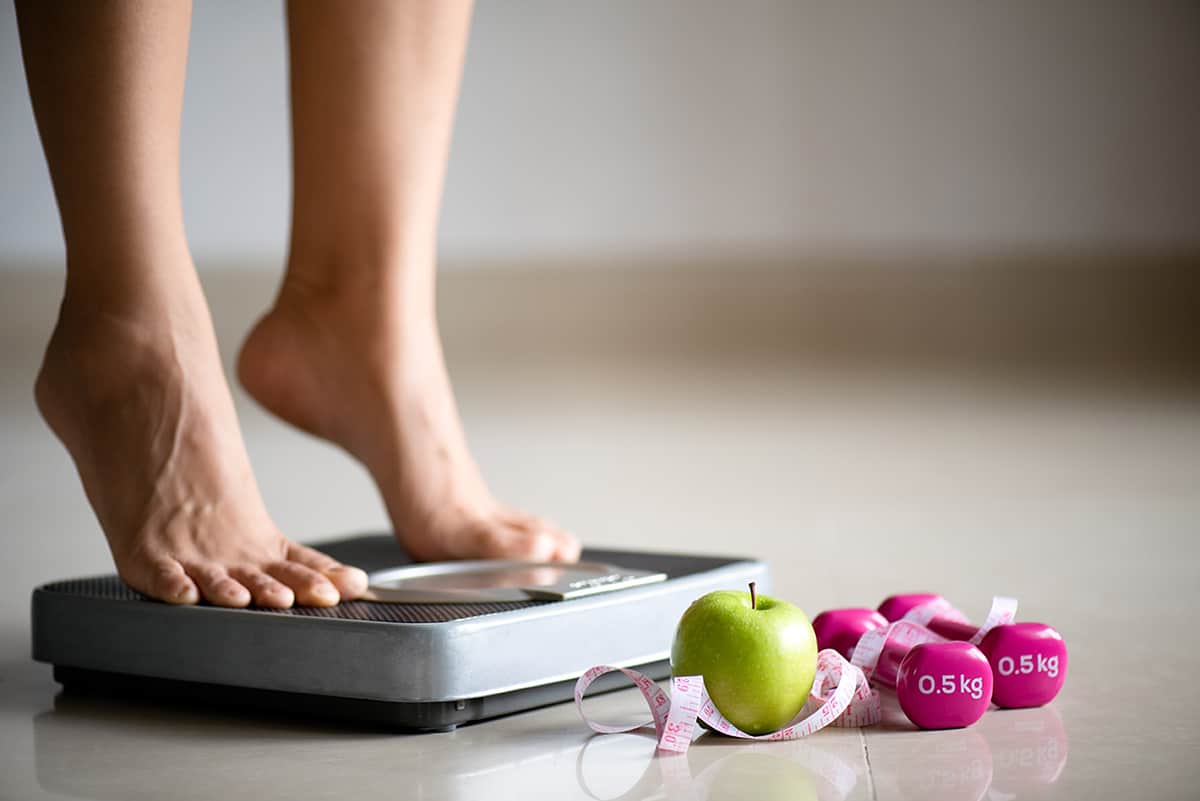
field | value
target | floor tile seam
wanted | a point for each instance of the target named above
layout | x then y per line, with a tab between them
862	737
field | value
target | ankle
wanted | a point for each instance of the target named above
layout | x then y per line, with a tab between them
158	281
397	292
90	365
108	336
95	338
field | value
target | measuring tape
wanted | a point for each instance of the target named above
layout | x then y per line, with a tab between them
910	630
840	696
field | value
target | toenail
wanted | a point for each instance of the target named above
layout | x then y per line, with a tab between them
349	572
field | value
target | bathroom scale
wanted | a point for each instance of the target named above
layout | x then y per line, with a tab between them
432	646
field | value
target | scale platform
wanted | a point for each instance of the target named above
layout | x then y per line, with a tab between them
427	654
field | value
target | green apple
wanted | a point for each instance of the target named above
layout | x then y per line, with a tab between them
757	654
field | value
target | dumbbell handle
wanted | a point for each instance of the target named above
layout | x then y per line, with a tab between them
952	629
936	613
897	641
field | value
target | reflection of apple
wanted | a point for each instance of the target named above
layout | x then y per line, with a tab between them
761	777
757	654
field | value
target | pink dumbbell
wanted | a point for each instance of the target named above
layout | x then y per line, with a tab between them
1029	660
840	629
940	684
944	685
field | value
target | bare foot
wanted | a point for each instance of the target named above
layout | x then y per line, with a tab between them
136	393
361	369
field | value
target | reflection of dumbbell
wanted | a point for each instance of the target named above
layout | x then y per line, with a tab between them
1029	660
940	684
957	768
1029	750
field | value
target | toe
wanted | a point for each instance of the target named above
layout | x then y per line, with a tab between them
217	586
568	547
169	582
564	546
266	591
521	521
350	581
536	547
497	539
557	546
310	586
554	544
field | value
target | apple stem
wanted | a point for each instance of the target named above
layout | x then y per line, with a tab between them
753	597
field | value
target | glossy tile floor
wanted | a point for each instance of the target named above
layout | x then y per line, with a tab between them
1084	503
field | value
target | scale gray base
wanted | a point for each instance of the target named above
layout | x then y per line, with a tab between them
411	666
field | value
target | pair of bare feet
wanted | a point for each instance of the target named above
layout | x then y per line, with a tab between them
132	384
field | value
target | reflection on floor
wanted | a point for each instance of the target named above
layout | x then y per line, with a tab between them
1010	754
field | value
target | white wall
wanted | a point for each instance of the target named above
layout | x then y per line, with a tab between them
678	127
